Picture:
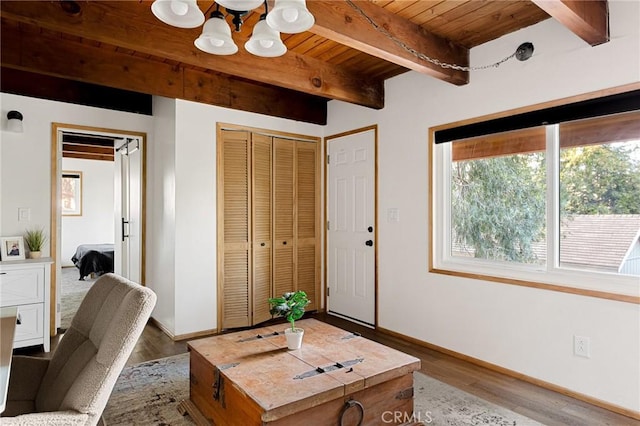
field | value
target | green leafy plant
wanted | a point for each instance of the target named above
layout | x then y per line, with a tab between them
290	306
35	239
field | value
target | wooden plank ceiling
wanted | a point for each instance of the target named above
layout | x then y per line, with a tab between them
351	50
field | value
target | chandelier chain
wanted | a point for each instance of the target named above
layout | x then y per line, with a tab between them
420	55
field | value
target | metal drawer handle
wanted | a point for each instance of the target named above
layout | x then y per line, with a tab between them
19	319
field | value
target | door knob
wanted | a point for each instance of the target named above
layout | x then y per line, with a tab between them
369	243
370	229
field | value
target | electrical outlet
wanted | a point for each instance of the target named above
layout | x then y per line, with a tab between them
582	346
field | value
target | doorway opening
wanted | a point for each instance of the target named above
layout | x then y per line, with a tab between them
97	211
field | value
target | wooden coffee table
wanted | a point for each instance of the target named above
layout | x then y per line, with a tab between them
251	378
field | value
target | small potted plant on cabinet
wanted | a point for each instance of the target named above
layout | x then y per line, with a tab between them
290	306
35	239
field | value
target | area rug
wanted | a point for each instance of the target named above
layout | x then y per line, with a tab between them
437	403
72	293
149	394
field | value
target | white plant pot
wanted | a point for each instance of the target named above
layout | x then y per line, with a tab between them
294	337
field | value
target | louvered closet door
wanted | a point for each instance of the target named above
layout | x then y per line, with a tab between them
261	211
235	273
307	253
283	220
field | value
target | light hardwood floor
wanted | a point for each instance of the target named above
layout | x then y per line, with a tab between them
546	406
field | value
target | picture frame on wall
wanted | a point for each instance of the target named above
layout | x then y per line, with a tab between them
71	193
12	248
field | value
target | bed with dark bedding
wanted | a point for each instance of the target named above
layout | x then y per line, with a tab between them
93	258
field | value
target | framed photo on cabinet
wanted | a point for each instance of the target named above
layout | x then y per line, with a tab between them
12	248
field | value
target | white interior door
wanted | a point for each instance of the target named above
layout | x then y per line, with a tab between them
352	226
128	209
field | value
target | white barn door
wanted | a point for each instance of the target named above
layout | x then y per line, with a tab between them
128	209
351	242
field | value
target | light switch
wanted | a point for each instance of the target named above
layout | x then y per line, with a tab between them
393	215
24	214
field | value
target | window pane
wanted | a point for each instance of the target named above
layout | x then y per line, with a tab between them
498	200
600	194
71	193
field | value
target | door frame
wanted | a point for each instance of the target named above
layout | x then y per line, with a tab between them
326	141
56	205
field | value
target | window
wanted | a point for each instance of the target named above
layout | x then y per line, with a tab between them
498	199
599	202
555	206
71	193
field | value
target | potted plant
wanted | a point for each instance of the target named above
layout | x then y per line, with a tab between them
35	239
290	306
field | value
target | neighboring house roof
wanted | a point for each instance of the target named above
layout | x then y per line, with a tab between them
601	241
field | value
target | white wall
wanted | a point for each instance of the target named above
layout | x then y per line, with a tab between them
27	155
160	231
96	225
184	167
523	329
181	190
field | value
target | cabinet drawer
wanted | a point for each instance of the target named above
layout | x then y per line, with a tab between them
31	322
21	286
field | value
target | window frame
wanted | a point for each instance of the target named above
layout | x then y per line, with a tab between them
549	276
76	178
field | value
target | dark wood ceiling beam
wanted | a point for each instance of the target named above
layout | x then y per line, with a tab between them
587	19
339	21
131	25
41	54
41	86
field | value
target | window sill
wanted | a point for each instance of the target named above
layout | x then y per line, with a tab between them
629	287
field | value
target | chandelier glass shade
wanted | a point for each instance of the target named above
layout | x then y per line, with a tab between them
265	41
288	16
240	4
216	36
178	13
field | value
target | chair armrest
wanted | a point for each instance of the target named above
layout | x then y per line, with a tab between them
25	377
51	418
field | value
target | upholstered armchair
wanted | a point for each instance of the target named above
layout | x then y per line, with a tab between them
73	387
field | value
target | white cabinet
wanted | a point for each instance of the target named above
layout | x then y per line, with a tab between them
25	284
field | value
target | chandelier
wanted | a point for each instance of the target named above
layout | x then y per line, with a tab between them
287	16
